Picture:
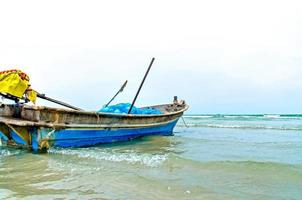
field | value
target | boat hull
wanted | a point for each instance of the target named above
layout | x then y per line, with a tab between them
39	128
89	137
42	138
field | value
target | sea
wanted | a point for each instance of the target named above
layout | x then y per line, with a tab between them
210	157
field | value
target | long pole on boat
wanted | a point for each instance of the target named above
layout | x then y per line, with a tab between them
42	96
120	90
141	85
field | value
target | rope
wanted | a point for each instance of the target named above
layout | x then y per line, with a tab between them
184	122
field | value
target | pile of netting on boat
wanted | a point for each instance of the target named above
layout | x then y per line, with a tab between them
123	108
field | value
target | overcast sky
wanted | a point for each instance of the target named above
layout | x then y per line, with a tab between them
220	56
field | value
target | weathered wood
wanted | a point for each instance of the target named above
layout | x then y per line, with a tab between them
45	116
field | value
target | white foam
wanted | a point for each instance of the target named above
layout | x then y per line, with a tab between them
197	116
6	152
239	116
272	116
129	157
5	194
243	126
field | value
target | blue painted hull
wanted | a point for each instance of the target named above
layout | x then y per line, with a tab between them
82	137
39	138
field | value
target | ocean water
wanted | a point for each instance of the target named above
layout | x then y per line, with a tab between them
216	157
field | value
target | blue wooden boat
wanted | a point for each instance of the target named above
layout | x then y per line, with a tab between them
39	128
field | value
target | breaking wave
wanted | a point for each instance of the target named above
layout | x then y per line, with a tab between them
263	121
198	116
265	116
241	126
128	157
4	152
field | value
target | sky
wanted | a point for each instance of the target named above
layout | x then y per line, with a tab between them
219	56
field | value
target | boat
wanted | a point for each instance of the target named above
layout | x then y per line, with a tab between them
39	127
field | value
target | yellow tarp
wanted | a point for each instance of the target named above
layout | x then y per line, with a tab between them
32	95
16	83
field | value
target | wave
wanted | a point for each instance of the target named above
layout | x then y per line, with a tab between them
128	157
272	116
198	116
241	126
251	163
247	117
4	152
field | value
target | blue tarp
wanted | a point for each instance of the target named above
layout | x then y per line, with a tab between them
123	108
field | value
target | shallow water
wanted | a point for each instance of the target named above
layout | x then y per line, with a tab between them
217	157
